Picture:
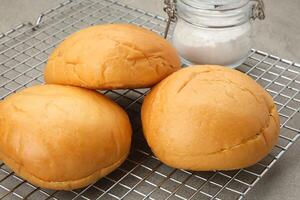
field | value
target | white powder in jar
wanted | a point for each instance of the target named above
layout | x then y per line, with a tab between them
222	46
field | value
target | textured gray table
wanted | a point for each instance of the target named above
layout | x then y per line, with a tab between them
279	34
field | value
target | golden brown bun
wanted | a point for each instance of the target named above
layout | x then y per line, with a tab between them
62	137
209	118
112	56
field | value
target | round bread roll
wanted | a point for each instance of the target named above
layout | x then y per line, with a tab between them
112	56
62	137
207	118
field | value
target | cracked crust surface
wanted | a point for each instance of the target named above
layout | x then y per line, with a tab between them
112	56
62	137
209	118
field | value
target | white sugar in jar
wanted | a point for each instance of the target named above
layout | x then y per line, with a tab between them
228	48
214	31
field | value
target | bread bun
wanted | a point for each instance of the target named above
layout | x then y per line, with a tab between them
112	56
62	137
209	118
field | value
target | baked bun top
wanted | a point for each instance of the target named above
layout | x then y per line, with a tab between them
112	56
62	137
208	118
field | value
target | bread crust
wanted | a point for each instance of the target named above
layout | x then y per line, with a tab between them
112	56
207	118
62	137
60	185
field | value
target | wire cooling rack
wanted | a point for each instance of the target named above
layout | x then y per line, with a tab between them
23	53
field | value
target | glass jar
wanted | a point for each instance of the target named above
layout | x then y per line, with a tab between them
214	31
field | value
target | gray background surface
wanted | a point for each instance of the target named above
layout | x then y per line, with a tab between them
279	34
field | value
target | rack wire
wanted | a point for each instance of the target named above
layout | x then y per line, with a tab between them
23	54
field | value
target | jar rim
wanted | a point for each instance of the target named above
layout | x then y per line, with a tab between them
199	25
215	5
222	18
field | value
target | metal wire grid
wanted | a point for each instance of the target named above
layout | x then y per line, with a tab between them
23	53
